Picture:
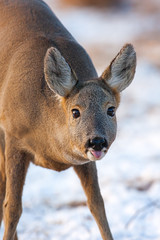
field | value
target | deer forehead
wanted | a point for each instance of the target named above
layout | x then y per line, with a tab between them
93	94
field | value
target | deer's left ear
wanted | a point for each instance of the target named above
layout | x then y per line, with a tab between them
120	72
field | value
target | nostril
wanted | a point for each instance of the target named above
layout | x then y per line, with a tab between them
98	143
104	143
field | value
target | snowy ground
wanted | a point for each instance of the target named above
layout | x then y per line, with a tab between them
53	203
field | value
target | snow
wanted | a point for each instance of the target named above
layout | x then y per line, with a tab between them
54	203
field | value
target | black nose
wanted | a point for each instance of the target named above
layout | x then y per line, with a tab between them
98	143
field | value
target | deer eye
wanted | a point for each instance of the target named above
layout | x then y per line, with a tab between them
111	111
75	113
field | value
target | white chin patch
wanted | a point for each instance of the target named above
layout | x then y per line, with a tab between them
95	155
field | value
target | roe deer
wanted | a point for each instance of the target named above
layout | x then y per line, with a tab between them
54	109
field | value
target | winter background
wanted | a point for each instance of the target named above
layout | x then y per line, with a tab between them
54	205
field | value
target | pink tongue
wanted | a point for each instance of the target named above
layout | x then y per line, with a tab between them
96	154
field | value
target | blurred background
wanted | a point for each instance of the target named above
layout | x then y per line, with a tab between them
54	203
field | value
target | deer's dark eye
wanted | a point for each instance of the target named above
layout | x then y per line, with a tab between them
111	111
75	113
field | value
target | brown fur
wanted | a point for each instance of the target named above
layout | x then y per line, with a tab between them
44	75
98	3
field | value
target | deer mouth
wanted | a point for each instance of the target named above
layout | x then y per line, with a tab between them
94	155
96	148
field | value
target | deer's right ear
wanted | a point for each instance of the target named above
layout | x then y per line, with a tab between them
58	74
121	71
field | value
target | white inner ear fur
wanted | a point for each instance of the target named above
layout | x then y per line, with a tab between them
122	69
58	74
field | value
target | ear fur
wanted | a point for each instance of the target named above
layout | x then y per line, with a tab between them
121	71
58	74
